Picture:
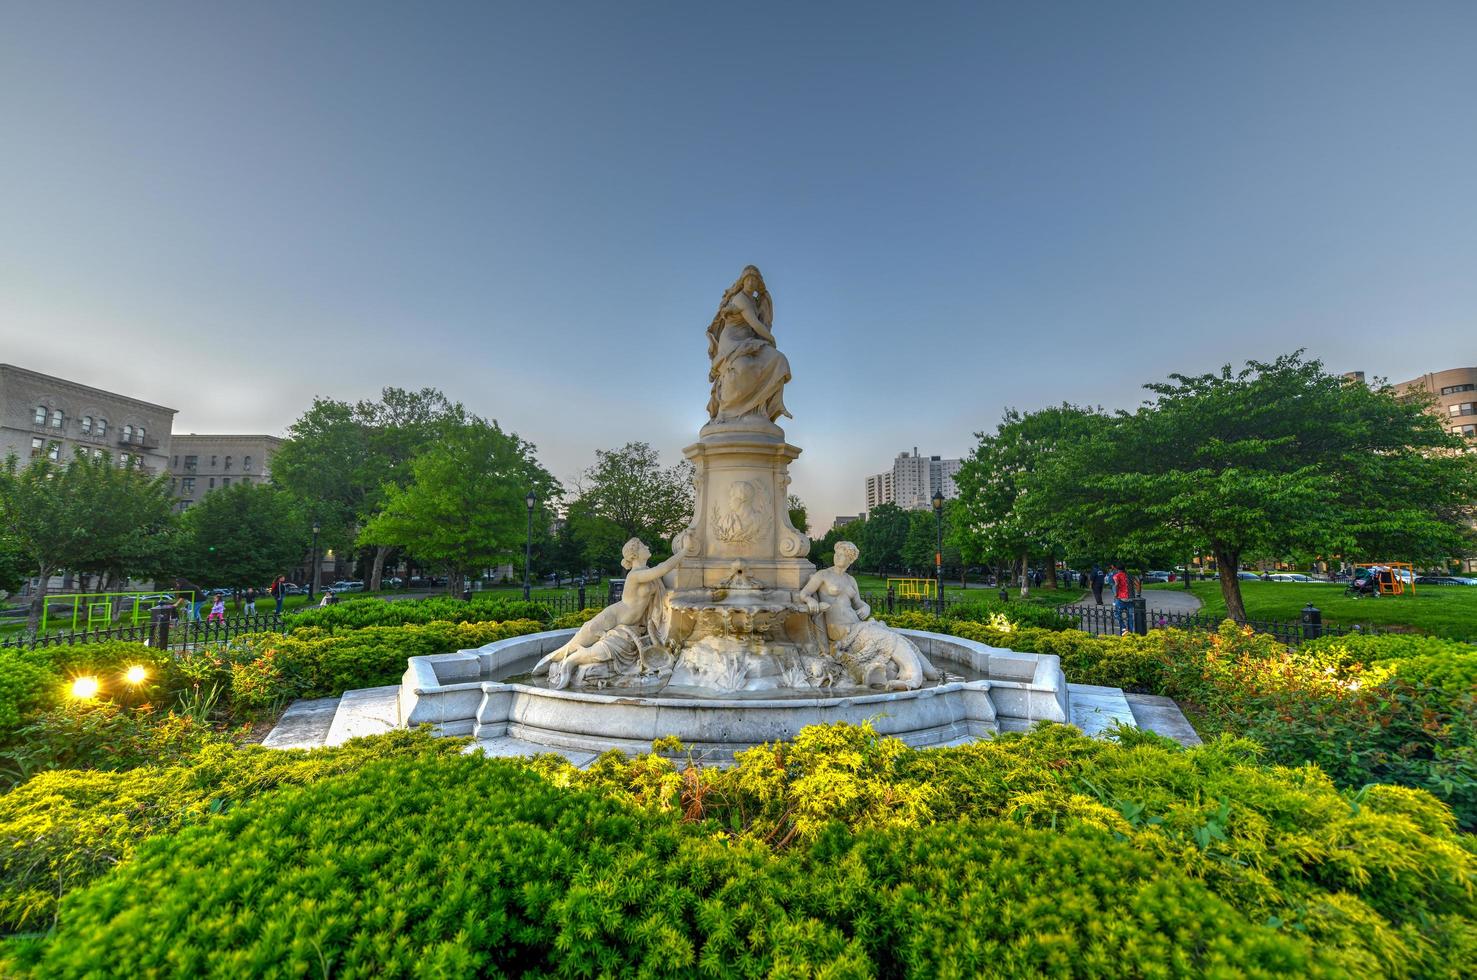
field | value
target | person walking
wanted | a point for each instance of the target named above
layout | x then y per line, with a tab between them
251	600
197	599
278	591
1122	599
1096	580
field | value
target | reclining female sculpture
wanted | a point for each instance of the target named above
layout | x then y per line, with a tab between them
873	653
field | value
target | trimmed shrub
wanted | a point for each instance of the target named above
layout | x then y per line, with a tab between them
311	663
469	866
354	614
63	829
37	679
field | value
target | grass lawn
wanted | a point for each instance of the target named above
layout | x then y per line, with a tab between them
1442	610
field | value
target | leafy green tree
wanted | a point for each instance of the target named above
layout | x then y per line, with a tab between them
87	515
242	535
992	482
1277	458
12	567
628	494
799	520
340	458
823	549
463	509
130	519
919	546
884	535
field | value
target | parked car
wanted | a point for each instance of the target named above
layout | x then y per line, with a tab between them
393	582
1445	580
1155	577
1248	576
1287	577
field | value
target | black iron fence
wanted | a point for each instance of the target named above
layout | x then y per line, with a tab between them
164	633
1106	620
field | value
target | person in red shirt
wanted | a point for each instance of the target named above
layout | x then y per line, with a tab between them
1122	599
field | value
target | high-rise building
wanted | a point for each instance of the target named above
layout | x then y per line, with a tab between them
912	481
46	417
202	463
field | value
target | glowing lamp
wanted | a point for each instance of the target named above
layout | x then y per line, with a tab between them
135	674
84	688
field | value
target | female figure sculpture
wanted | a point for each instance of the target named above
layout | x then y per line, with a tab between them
872	651
616	633
747	370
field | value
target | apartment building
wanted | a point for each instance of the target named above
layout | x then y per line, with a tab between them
912	481
199	464
1455	392
45	417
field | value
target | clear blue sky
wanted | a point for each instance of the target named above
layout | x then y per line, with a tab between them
535	207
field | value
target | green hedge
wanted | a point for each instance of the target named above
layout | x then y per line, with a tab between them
268	669
354	614
63	829
844	854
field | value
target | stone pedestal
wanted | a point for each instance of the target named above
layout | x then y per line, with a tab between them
741	511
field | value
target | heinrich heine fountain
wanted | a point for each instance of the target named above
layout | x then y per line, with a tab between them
736	639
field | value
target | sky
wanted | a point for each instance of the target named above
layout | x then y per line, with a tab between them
230	209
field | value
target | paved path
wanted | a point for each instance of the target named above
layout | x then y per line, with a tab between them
1156	600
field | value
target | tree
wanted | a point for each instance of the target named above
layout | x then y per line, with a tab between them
87	515
130	520
463	509
799	520
992	482
242	535
1277	458
884	535
918	548
340	458
628	494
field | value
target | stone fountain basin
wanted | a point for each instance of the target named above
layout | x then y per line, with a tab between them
459	694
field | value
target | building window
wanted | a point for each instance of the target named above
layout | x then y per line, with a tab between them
191	462
139	436
38	446
187	486
174	486
40	414
54	451
225	481
86	424
174	462
97	454
212	483
184	505
213	461
123	460
1470	431
246	465
1453	389
56	418
228	464
1465	408
127	433
102	427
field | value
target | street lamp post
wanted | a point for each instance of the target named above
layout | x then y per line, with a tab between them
313	574
938	553
530	500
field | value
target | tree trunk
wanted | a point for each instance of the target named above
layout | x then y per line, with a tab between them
381	552
1025	574
1051	571
38	601
963	576
1228	563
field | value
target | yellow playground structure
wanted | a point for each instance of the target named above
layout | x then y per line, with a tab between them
913	588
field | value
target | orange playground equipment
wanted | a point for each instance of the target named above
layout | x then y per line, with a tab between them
1390	577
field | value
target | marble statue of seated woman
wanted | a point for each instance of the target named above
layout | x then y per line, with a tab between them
638	617
873	653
